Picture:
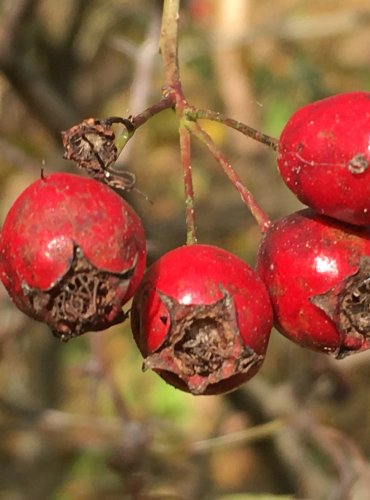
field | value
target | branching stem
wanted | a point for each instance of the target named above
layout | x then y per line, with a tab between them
261	218
166	102
173	98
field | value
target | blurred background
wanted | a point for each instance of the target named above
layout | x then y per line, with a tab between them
81	421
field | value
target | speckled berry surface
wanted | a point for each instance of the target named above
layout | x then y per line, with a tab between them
324	156
65	225
202	319
317	272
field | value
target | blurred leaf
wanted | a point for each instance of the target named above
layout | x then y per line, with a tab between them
166	401
277	114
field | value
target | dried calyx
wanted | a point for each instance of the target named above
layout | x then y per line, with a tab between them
84	299
91	144
203	345
348	305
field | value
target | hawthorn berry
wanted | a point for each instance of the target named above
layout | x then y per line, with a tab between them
324	156
72	252
317	271
202	318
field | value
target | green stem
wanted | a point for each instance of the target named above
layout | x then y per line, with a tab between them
206	114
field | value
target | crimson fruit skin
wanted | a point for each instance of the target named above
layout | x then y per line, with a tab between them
324	156
202	318
72	252
317	272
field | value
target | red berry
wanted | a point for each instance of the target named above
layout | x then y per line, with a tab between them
72	252
317	272
324	156
202	319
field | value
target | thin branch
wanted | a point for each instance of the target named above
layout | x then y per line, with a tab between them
104	371
185	150
169	41
144	58
36	92
207	114
30	84
166	102
16	16
75	25
251	435
262	219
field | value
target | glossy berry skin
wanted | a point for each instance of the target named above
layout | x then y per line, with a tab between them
324	156
317	272
202	319
72	252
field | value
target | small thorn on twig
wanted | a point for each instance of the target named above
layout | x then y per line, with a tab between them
42	170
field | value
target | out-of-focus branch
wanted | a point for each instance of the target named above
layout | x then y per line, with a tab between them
62	58
144	59
300	27
16	16
102	369
233	18
37	93
247	436
256	405
30	84
301	436
81	8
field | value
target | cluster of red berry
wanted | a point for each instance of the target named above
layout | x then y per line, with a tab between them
72	253
316	262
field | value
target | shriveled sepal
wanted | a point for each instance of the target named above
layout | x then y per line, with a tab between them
348	306
203	345
84	299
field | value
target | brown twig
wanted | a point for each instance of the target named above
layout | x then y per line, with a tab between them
169	50
207	114
169	43
188	184
166	102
